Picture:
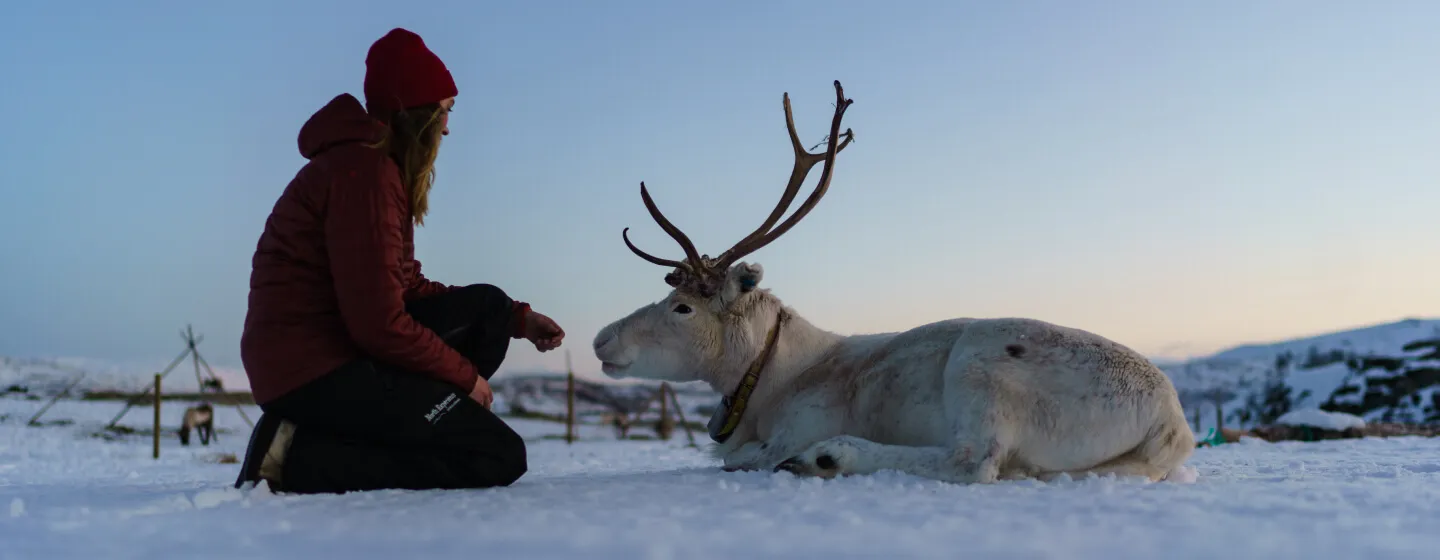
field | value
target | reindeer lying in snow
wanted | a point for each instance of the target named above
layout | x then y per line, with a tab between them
960	400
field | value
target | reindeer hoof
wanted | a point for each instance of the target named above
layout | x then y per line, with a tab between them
823	466
791	465
826	459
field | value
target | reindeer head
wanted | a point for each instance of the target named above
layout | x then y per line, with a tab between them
714	317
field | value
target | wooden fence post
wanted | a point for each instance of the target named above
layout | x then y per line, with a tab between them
663	428
156	449
681	413
569	400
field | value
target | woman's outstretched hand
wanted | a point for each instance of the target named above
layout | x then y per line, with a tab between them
543	332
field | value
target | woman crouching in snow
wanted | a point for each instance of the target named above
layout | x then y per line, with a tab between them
371	376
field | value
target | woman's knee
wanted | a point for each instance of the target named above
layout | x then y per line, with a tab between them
502	462
484	297
515	456
516	464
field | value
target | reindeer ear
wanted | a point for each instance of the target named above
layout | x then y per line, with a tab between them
740	279
747	276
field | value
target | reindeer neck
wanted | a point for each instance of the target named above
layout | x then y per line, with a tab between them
801	344
790	345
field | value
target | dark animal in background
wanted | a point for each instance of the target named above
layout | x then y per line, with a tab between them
201	419
618	420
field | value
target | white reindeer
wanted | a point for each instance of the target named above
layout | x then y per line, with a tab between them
960	400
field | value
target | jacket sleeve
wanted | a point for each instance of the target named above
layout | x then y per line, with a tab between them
365	213
420	286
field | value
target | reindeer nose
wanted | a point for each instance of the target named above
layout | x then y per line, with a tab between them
602	339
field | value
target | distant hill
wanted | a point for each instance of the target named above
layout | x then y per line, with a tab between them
1334	371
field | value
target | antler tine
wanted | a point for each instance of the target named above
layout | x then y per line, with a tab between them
625	234
691	254
804	162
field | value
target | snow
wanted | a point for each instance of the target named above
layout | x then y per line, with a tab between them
74	496
1316	418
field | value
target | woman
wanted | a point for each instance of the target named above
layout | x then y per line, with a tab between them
368	374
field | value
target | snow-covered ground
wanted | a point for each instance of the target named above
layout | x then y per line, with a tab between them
66	495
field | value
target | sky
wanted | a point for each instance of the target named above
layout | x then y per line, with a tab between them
1180	177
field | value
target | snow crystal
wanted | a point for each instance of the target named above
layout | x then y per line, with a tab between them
1316	418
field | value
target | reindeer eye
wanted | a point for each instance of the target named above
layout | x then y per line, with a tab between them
682	308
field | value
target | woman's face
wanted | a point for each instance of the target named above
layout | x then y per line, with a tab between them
446	104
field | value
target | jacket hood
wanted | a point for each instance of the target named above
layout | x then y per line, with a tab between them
340	121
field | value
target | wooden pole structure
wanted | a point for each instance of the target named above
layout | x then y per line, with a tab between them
156	448
191	349
36	418
664	413
190	342
238	408
569	400
140	398
681	413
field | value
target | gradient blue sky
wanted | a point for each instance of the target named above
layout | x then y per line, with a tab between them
1178	176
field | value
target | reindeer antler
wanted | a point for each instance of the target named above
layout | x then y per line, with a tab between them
692	257
704	275
804	162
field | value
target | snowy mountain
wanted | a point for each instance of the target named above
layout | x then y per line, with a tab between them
1397	388
1334	371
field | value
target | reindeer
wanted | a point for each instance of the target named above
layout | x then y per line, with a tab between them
963	400
201	419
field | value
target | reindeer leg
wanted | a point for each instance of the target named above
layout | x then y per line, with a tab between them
980	443
847	455
783	443
745	458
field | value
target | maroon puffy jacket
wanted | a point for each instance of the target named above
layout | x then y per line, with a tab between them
335	266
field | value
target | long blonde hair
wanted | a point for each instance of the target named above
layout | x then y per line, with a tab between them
413	141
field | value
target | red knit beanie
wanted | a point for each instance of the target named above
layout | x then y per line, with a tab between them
401	72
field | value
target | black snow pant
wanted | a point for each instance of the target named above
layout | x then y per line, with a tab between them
368	425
